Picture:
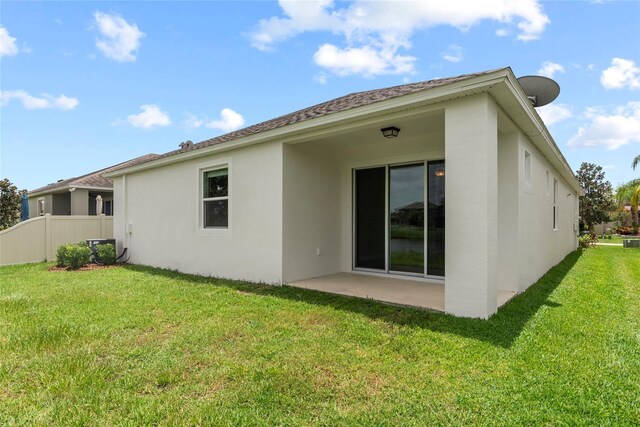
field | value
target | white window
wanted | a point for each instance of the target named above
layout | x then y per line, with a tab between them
555	204
547	182
215	198
527	167
40	207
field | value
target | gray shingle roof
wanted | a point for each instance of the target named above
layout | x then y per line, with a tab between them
94	179
347	102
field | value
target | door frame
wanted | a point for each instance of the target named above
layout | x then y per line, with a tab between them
387	271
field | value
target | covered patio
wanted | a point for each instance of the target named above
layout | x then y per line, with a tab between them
426	295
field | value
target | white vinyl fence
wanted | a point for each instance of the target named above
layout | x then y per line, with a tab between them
37	239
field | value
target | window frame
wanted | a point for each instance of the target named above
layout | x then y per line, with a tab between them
201	170
41	206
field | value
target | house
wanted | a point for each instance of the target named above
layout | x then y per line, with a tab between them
309	195
77	196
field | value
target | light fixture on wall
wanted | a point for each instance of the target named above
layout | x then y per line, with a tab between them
390	132
439	172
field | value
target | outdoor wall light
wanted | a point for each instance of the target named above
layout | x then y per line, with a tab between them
439	172
390	132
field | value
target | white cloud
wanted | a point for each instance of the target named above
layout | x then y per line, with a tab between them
503	32
120	39
192	122
623	73
8	45
375	28
611	130
150	117
453	54
554	113
550	68
366	61
321	78
44	101
229	121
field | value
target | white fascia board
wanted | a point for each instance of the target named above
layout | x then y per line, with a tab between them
325	125
67	187
517	107
528	119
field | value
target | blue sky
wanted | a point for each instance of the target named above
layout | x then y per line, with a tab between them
85	85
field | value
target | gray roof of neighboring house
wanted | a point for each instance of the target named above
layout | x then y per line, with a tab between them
347	102
94	179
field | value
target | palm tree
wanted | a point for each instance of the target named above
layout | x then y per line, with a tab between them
635	162
630	193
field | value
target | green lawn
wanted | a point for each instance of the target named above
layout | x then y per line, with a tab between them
141	346
616	239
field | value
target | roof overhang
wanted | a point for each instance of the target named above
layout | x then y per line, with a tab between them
67	187
501	85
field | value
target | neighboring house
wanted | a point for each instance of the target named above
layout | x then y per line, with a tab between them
309	194
77	196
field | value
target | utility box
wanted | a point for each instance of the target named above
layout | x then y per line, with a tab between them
631	243
95	242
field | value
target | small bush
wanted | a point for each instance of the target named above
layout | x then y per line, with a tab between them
61	255
587	240
626	230
77	256
105	254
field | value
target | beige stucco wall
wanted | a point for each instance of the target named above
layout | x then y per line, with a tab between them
159	215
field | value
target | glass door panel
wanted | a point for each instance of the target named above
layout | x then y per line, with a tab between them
435	218
370	218
406	218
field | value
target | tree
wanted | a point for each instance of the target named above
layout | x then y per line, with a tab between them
597	202
635	162
630	193
10	199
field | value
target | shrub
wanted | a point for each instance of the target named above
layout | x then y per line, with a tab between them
61	255
105	254
587	240
625	230
77	256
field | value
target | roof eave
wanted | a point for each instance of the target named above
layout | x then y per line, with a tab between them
67	187
308	128
525	116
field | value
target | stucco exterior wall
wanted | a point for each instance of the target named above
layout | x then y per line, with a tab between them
62	203
508	213
540	245
471	214
311	221
160	221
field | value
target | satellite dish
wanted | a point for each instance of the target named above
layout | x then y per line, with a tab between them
540	90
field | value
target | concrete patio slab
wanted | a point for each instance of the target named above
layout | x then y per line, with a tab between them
412	293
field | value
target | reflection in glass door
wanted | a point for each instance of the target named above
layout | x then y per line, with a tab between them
370	218
435	219
406	218
395	231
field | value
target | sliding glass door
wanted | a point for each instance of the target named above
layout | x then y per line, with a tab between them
394	231
406	218
370	218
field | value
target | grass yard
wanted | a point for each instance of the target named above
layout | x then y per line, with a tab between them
617	239
142	346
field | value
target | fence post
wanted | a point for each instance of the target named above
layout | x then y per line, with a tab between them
103	234
48	237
